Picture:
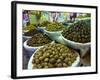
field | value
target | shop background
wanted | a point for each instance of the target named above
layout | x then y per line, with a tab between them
5	40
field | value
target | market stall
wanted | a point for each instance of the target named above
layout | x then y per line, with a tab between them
56	39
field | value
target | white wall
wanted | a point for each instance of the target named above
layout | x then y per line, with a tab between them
5	30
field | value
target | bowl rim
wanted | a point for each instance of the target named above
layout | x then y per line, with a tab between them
29	47
27	36
52	31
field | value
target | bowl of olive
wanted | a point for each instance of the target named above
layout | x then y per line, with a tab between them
37	41
53	30
78	35
54	56
27	35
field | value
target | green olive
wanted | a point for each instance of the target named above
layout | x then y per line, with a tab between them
36	61
46	67
56	56
46	59
65	65
59	65
59	60
52	60
50	65
41	58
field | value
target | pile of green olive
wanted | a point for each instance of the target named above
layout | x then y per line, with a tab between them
43	24
28	27
79	32
54	26
53	56
38	39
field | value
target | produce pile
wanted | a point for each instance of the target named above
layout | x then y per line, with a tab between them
38	39
54	26
28	27
31	32
54	56
43	24
79	31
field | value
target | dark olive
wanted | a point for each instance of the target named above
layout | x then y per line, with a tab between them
79	31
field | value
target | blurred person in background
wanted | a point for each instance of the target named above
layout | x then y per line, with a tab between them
72	16
25	18
54	16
